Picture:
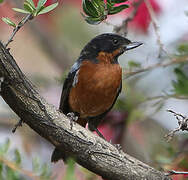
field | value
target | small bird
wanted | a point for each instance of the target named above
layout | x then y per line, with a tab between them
94	81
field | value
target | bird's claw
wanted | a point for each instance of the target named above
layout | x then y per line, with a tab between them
118	146
72	117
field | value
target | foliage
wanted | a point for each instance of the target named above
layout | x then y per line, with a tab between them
70	170
174	156
30	8
97	10
132	65
12	169
181	84
183	48
9	21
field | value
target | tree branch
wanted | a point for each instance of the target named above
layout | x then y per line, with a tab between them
89	150
18	27
182	122
177	60
156	27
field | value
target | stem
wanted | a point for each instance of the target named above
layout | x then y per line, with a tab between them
172	172
123	27
14	167
18	27
154	66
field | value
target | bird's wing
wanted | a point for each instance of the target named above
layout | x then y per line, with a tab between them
70	81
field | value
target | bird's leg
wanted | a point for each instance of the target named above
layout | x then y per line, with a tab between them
118	146
17	125
93	127
99	133
73	118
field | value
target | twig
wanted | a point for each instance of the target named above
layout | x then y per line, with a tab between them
165	97
183	124
154	66
123	26
16	168
52	45
172	172
18	27
156	28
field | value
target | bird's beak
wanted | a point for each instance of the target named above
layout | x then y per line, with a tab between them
132	45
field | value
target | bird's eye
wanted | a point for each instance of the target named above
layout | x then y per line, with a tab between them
115	41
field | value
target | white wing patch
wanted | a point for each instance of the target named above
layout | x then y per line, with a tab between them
75	81
75	67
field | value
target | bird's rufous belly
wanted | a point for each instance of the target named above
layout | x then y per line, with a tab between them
96	89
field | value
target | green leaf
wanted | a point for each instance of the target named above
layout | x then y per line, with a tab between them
89	9
28	7
35	164
9	22
92	20
99	6
1	170
133	64
183	48
17	157
117	9
70	170
1	1
4	148
20	10
181	84
117	1
48	8
31	3
110	5
40	4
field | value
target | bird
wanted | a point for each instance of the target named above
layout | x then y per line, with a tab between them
94	82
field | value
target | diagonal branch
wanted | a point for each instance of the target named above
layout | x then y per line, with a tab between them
173	61
18	27
89	150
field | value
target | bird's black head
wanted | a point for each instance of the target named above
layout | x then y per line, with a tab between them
108	44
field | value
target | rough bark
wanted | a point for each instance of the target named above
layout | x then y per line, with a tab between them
89	150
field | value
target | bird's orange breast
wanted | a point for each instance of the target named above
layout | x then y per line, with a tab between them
96	88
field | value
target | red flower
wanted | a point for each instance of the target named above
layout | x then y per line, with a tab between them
48	2
142	19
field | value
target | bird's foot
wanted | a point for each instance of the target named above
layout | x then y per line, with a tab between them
118	146
72	117
17	125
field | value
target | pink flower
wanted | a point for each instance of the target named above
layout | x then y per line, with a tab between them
142	19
